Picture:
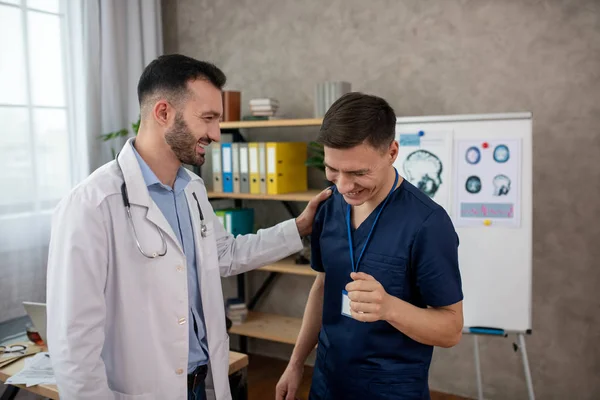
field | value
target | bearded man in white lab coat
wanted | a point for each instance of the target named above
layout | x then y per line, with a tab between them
134	300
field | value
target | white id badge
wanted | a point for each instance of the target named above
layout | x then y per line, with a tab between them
346	304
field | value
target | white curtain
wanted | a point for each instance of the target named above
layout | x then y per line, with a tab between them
38	141
93	52
121	37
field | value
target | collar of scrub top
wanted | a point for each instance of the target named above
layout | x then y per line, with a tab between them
349	226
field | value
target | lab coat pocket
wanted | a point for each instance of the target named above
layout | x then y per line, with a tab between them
210	233
209	248
390	271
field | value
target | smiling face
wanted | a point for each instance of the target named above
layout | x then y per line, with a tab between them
357	135
360	173
196	124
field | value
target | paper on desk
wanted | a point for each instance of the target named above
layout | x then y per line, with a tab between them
37	371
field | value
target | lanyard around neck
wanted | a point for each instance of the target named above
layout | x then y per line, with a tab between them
349	223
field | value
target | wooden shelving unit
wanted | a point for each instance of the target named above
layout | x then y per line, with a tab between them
297	196
276	328
289	266
276	123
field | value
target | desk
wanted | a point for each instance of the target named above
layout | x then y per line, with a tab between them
237	378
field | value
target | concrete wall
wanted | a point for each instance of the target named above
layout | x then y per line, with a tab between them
447	57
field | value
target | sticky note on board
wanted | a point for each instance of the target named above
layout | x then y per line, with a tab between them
412	139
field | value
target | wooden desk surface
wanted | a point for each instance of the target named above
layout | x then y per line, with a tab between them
237	361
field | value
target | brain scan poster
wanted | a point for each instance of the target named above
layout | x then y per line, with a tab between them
487	183
425	159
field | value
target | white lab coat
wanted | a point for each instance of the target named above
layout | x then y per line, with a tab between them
117	321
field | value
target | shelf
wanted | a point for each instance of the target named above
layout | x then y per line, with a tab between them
276	328
237	361
275	123
289	266
297	196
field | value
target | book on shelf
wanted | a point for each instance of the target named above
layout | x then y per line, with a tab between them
266	101
264	107
237	311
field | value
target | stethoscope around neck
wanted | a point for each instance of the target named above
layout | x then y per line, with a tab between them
127	205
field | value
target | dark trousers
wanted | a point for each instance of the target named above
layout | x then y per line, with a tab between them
196	385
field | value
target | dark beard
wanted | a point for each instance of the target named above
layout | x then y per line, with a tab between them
183	143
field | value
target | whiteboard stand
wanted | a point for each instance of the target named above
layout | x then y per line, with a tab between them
521	336
478	368
497	284
527	371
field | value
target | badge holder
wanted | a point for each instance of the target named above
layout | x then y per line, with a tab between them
345	299
346	304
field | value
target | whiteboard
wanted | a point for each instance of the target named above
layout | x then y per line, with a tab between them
495	257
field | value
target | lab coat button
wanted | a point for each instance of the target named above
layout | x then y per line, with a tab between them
181	321
179	371
179	268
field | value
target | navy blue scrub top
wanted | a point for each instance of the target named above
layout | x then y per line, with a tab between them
413	253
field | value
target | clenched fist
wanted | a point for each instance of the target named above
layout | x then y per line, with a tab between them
369	302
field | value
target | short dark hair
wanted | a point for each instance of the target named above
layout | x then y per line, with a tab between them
356	118
171	73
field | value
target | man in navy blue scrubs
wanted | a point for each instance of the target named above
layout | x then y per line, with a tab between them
389	286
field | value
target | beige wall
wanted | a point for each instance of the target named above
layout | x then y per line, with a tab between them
447	57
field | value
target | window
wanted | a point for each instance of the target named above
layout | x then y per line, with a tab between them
36	134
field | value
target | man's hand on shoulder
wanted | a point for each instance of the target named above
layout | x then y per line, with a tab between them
305	220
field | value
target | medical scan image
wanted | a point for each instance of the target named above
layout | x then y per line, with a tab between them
473	155
501	153
424	170
501	185
473	184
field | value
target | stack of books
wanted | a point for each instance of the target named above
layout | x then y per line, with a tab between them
236	311
264	107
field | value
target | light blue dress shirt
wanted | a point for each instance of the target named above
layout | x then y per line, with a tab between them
173	204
